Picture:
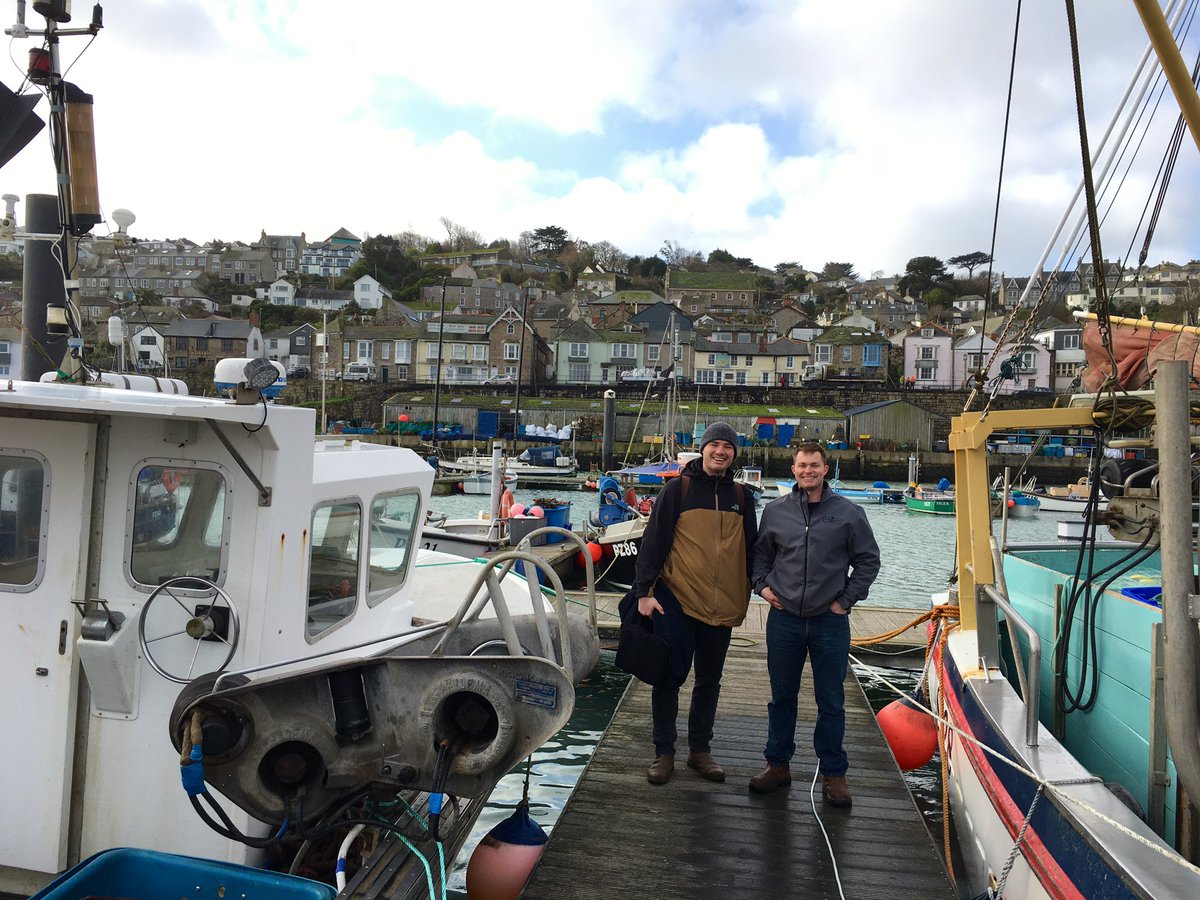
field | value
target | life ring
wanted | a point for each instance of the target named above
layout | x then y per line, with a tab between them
170	480
506	502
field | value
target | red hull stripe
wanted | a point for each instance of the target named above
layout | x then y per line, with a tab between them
1048	872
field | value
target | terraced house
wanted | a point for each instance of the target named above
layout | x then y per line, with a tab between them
712	292
199	343
851	352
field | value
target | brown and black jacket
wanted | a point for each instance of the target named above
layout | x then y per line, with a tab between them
700	541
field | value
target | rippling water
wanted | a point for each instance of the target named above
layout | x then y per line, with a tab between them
917	549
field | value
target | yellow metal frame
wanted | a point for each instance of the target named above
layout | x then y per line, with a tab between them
973	516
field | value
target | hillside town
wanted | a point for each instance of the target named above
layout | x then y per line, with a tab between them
562	316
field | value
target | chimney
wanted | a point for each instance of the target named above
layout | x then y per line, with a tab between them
254	319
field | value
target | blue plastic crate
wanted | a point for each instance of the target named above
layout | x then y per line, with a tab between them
149	875
1150	595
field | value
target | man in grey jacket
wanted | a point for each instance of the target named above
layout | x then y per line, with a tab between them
814	559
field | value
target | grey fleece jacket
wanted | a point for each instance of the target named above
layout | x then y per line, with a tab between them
811	557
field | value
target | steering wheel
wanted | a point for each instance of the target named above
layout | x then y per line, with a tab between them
186	621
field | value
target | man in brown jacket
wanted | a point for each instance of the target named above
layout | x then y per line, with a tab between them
693	578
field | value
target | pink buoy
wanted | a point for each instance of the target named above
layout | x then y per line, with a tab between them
537	512
517	509
504	858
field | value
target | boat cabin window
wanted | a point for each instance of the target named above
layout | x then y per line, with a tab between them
333	564
22	520
391	538
178	525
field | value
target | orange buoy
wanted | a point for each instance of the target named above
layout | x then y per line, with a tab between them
170	480
504	858
1011	502
910	732
594	550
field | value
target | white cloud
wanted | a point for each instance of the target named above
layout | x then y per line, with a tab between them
784	130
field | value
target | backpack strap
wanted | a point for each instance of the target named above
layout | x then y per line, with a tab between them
685	482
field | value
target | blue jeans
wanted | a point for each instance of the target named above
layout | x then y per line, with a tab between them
689	639
826	640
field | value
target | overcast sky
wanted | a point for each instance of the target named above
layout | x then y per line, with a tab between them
865	132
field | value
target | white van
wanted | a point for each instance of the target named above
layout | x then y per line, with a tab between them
359	372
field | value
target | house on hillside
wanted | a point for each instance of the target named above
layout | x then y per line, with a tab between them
699	292
200	343
10	352
292	345
286	249
929	356
1065	341
594	278
848	351
1029	365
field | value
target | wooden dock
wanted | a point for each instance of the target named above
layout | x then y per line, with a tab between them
621	837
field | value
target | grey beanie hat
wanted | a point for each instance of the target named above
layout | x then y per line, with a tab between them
719	431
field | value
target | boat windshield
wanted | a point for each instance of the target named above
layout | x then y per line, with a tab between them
22	481
178	524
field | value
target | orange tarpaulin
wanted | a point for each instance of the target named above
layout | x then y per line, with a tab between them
1138	350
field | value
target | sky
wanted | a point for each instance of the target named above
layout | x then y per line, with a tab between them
810	131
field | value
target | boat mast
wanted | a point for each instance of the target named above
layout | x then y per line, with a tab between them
437	379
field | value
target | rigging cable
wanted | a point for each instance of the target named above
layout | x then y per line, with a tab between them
980	375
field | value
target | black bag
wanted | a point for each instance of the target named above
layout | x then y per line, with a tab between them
641	652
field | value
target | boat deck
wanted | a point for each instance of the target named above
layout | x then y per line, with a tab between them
621	837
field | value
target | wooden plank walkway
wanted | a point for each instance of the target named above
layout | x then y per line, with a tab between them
621	837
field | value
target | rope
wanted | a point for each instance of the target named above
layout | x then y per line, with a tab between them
938	612
1012	854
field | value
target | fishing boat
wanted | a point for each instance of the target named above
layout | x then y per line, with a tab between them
750	477
289	618
1066	674
481	483
1073	498
1022	505
932	501
533	462
866	496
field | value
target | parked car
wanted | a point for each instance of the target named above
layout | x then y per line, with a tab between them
299	372
359	372
500	379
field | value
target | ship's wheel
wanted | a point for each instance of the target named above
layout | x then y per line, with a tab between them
211	625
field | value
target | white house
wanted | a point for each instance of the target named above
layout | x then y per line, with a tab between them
147	343
369	293
1030	364
10	352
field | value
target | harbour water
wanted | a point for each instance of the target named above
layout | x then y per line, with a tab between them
917	552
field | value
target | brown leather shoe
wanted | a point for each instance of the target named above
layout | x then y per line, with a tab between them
661	771
771	778
707	766
837	793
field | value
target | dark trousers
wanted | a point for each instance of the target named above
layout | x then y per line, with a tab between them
825	639
689	639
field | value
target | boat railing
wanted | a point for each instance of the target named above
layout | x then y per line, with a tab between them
1029	678
490	577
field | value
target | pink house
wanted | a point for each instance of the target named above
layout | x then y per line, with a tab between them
929	356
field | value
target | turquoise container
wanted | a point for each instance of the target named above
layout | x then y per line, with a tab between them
149	875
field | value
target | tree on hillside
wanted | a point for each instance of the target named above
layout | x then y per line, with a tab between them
970	262
549	240
460	237
609	255
782	267
723	259
921	274
12	265
412	242
938	297
678	257
832	271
